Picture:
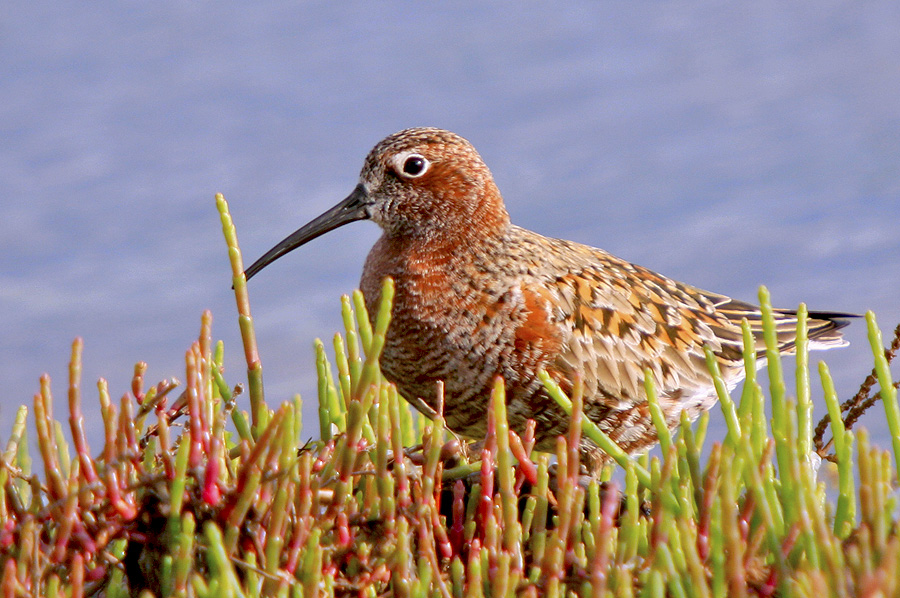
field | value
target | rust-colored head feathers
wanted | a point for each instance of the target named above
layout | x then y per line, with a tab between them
478	297
432	183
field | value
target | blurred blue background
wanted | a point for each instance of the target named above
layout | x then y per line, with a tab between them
725	145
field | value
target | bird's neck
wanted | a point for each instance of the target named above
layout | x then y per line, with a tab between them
431	267
450	221
427	261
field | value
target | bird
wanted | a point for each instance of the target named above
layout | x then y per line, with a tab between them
478	297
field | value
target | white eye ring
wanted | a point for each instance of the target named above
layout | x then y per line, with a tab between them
410	165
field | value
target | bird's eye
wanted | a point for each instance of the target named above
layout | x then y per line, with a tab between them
410	166
414	165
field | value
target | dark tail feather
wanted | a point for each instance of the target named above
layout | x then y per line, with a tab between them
824	329
824	326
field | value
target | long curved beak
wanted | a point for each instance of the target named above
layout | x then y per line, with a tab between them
354	207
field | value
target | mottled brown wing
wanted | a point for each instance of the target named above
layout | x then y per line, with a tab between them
618	318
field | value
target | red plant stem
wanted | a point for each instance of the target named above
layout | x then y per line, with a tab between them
165	444
486	504
125	509
127	433
137	381
441	539
43	420
96	573
403	490
76	417
66	522
706	505
76	576
205	346
88	542
426	548
344	537
211	494
457	528
526	466
600	561
302	509
110	422
193	402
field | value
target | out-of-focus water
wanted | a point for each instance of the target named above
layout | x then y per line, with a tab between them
726	146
